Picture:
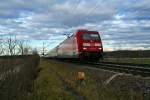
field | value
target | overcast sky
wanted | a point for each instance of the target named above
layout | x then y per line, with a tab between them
123	24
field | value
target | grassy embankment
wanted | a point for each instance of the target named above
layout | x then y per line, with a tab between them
17	74
58	81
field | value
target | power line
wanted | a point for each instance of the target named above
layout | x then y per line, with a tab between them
76	6
94	8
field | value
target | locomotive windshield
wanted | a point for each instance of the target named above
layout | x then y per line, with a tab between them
87	36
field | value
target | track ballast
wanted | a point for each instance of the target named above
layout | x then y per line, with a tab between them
135	69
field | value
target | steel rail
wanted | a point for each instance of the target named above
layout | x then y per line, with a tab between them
134	69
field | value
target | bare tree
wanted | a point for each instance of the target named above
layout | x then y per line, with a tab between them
23	48
26	50
11	44
1	46
44	47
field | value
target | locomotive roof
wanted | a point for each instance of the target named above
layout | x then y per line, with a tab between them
84	30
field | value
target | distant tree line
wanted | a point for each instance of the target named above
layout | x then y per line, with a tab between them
128	54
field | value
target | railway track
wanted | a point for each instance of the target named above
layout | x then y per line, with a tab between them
135	69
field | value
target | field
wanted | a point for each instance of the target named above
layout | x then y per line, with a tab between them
129	60
125	56
32	78
17	74
58	81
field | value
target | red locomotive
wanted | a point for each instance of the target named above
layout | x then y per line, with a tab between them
83	44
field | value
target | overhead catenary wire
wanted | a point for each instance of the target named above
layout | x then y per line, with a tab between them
88	13
75	8
96	6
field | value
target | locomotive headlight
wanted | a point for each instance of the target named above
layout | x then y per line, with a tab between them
98	44
100	48
84	48
86	44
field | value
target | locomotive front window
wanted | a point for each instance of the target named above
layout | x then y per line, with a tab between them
87	36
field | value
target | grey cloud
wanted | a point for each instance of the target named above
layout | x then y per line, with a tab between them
119	21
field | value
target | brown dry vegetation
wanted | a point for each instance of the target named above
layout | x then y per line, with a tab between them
16	76
58	81
21	79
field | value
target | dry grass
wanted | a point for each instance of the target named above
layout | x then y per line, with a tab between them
48	85
58	81
16	77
